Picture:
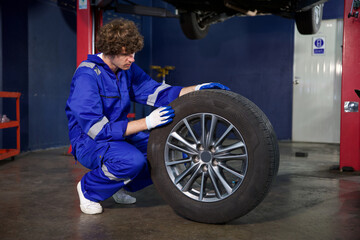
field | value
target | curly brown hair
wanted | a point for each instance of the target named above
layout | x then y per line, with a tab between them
118	36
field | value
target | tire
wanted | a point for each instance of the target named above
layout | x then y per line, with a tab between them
189	23
309	22
218	158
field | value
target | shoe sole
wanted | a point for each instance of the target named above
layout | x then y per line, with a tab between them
89	213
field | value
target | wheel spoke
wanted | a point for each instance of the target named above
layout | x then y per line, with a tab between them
190	130
229	156
231	147
182	140
233	172
223	182
185	173
192	179
178	162
213	180
224	135
210	135
202	186
172	146
203	130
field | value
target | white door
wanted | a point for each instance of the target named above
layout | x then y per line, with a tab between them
317	84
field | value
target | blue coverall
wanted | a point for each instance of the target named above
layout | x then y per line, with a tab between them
97	110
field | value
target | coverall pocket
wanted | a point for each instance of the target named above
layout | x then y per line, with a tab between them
90	153
110	100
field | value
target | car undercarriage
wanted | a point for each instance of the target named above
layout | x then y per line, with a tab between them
197	16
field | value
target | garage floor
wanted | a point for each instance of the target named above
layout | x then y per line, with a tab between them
38	200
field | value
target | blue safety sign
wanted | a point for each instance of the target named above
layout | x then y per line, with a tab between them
319	42
318	46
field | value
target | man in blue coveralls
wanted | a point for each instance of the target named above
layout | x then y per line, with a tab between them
102	137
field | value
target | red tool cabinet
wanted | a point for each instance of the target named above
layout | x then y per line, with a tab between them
6	153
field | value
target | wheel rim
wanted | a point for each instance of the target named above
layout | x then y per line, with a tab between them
317	13
198	20
206	157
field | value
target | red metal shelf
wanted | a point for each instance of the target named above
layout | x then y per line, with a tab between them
7	153
9	124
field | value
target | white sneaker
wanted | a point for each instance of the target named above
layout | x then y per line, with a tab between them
87	206
123	198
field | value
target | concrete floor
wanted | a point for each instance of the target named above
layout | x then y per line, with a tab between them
38	200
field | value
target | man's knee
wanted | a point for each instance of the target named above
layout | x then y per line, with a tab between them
126	166
138	163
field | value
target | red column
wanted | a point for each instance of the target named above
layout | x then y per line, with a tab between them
350	124
89	19
84	23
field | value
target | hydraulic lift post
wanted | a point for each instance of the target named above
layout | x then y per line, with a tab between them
88	20
350	120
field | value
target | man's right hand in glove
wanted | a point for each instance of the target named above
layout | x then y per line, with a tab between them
159	117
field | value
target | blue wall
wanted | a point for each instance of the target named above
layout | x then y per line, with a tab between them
334	9
52	61
15	67
251	55
39	58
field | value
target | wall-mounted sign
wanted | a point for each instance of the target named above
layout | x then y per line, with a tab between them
318	46
82	4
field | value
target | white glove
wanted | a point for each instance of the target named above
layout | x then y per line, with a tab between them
211	86
159	117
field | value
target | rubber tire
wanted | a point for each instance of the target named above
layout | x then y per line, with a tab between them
263	156
190	26
306	21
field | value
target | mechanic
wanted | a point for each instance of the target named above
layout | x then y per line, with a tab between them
102	137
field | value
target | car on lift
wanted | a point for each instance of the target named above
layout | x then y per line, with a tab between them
196	16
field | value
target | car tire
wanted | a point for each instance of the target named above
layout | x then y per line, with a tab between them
218	158
190	26
309	22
